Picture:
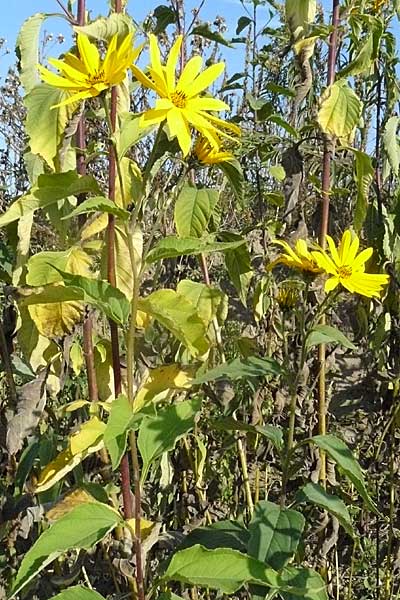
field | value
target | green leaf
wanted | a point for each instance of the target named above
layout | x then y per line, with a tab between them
214	36
240	368
242	23
222	534
391	144
179	316
325	334
234	174
193	210
363	62
314	493
82	528
278	120
129	133
40	266
99	204
49	189
105	28
27	50
111	301
208	301
160	433
165	16
363	175
340	110
121	420
171	247
341	454
238	265
275	533
222	569
45	126
273	433
299	16
307	584
77	592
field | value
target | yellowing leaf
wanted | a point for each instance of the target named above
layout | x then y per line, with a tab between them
161	381
146	527
132	183
94	227
208	301
56	319
76	357
123	266
87	440
76	405
299	16
340	110
40	271
142	319
68	502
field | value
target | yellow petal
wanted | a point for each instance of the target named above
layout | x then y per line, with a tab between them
207	104
74	98
153	116
333	250
190	72
76	77
362	258
204	79
344	246
179	128
142	78
324	262
55	80
88	53
172	62
331	284
155	56
353	250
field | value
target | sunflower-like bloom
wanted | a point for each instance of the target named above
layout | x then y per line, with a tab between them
347	269
208	155
88	75
298	257
179	102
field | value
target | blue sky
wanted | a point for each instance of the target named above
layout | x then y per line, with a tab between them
17	12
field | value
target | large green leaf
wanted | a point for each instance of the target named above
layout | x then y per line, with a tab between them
160	433
99	204
307	584
40	265
341	454
314	493
340	110
105	28
275	532
326	334
171	247
209	301
242	368
49	189
222	569
121	420
234	174
44	124
27	50
82	527
193	210
222	534
108	299
179	316
77	592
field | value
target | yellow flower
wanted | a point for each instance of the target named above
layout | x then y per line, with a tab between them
287	296
209	155
88	76
298	258
348	269
179	102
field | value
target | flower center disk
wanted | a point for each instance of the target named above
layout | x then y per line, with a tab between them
179	98
96	77
345	271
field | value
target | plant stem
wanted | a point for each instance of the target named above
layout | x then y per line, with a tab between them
8	368
326	182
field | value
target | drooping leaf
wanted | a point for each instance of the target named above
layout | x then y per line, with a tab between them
314	493
179	316
161	382
209	301
340	110
391	144
326	334
193	209
273	433
160	433
54	318
341	454
49	189
87	440
242	23
45	126
27	50
239	368
203	29
120	421
299	16
172	246
363	176
234	174
164	16
238	265
275	532
105	28
81	528
111	301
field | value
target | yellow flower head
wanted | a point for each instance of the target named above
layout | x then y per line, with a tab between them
88	75
208	155
287	296
179	102
298	257
346	268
